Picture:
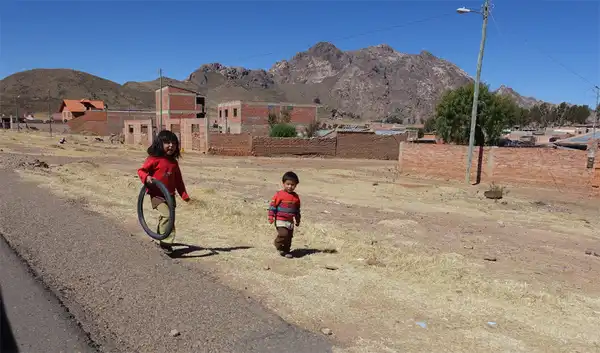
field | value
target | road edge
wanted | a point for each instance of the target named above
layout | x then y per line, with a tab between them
56	295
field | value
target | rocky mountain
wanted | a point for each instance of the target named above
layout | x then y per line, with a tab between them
363	84
522	101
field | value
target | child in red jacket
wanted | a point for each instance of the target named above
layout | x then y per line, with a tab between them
284	211
162	165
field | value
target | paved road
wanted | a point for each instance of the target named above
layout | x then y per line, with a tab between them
38	322
126	293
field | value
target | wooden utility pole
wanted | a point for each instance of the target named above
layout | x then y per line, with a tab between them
594	146
161	101
485	13
49	114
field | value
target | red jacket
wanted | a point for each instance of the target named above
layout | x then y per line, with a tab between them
284	206
167	171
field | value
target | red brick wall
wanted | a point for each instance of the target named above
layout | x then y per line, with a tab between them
553	168
256	114
116	119
303	115
93	122
182	102
368	146
176	116
267	146
230	144
255	118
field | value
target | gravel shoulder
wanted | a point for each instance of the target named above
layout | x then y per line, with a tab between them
126	293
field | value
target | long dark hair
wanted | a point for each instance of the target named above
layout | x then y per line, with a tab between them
157	148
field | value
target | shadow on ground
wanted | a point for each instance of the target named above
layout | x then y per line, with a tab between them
297	253
185	251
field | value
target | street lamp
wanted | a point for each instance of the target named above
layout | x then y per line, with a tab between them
485	13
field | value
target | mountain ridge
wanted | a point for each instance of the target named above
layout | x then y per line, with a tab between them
365	84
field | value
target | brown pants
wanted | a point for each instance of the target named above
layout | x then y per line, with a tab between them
283	241
160	204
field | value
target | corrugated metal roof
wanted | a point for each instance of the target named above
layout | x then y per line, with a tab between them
323	132
389	132
581	139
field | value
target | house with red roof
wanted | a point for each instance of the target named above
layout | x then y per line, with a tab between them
73	108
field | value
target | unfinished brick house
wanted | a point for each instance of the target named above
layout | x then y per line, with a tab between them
238	117
177	103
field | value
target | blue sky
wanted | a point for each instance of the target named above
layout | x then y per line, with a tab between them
129	40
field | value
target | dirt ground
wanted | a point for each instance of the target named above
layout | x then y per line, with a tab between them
387	263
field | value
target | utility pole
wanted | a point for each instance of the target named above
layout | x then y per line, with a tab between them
49	115
594	147
17	113
161	101
485	13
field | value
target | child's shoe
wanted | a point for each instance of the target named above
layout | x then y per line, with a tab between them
166	247
286	254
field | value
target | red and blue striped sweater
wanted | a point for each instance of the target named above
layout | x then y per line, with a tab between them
284	206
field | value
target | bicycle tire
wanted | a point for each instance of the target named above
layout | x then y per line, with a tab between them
170	204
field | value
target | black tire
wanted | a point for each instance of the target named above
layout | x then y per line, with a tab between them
140	211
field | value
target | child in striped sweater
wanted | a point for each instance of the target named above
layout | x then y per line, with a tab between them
284	211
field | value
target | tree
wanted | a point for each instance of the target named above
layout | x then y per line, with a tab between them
494	114
317	100
283	130
285	116
312	128
272	119
429	125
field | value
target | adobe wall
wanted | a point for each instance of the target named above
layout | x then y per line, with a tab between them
230	144
267	146
368	146
554	168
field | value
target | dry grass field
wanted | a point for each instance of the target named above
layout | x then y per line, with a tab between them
387	264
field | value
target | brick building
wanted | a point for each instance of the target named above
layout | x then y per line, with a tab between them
74	108
178	103
238	117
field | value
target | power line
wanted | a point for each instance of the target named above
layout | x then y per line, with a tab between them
575	73
383	29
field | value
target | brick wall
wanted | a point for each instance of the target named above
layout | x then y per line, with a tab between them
555	168
368	146
267	146
230	144
255	117
92	122
181	102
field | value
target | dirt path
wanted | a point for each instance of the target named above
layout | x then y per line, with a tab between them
126	293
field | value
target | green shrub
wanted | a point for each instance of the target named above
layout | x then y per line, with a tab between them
283	130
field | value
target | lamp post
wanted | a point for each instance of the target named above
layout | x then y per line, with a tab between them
485	13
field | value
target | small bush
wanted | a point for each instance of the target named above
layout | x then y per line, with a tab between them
283	130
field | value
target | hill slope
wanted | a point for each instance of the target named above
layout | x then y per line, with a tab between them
364	84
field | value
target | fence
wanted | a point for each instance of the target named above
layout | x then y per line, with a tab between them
367	146
555	168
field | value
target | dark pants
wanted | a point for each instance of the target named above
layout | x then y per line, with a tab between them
283	241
